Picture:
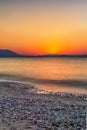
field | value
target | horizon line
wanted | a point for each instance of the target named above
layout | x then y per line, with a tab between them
38	55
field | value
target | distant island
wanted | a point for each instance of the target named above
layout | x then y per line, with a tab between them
8	53
5	53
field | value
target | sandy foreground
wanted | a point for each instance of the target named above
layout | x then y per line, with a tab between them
24	107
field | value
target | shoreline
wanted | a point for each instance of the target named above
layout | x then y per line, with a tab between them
24	107
43	88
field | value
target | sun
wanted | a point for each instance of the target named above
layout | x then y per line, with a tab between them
52	49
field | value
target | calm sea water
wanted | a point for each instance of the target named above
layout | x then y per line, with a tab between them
49	74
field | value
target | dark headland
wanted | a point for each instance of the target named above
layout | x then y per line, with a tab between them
8	53
5	53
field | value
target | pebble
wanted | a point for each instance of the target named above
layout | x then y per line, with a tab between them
35	111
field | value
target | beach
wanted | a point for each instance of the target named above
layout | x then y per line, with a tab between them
24	107
43	65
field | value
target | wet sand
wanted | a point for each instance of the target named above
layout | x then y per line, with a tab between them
24	107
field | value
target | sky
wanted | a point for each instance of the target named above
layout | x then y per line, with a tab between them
36	27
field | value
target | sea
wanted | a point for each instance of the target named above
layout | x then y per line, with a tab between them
67	75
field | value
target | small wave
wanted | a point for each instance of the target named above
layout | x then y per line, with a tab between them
63	82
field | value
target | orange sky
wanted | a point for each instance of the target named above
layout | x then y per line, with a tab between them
44	27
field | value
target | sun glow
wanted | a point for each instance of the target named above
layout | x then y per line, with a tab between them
52	49
38	27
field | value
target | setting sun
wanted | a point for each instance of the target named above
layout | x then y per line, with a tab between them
43	27
43	64
52	49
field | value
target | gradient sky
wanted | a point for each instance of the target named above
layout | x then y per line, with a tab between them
44	26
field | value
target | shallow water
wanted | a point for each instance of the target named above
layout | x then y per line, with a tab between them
49	74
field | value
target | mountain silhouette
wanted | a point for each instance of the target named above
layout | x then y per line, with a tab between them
8	53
